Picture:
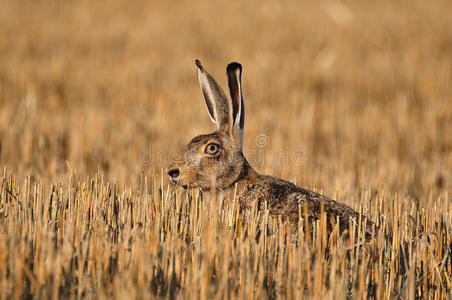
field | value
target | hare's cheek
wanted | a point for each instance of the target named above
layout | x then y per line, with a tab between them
193	161
196	162
190	176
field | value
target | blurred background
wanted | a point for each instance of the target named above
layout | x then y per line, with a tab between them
362	89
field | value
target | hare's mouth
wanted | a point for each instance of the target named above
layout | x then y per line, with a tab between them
184	186
176	181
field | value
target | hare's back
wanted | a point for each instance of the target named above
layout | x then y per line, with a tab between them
285	198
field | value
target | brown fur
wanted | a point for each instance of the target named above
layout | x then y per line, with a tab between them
232	175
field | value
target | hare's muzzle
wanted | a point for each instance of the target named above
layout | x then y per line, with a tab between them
174	175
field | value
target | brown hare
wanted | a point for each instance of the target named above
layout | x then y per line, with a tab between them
216	159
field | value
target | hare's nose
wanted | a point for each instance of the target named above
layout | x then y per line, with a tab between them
174	174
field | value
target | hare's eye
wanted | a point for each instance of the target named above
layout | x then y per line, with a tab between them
212	149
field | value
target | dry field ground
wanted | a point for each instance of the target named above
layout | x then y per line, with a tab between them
353	99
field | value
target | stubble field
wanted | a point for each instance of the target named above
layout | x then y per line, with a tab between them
352	99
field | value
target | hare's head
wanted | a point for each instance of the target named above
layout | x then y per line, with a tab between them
215	158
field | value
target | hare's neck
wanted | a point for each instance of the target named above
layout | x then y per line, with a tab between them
247	177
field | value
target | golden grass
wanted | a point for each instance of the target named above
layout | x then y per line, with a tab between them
353	99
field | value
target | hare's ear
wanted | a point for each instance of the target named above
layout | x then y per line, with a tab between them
216	101
234	71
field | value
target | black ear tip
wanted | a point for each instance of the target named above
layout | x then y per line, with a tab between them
198	64
234	66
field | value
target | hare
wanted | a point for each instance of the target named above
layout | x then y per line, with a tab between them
216	159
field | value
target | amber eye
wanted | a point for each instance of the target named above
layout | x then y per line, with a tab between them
212	149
